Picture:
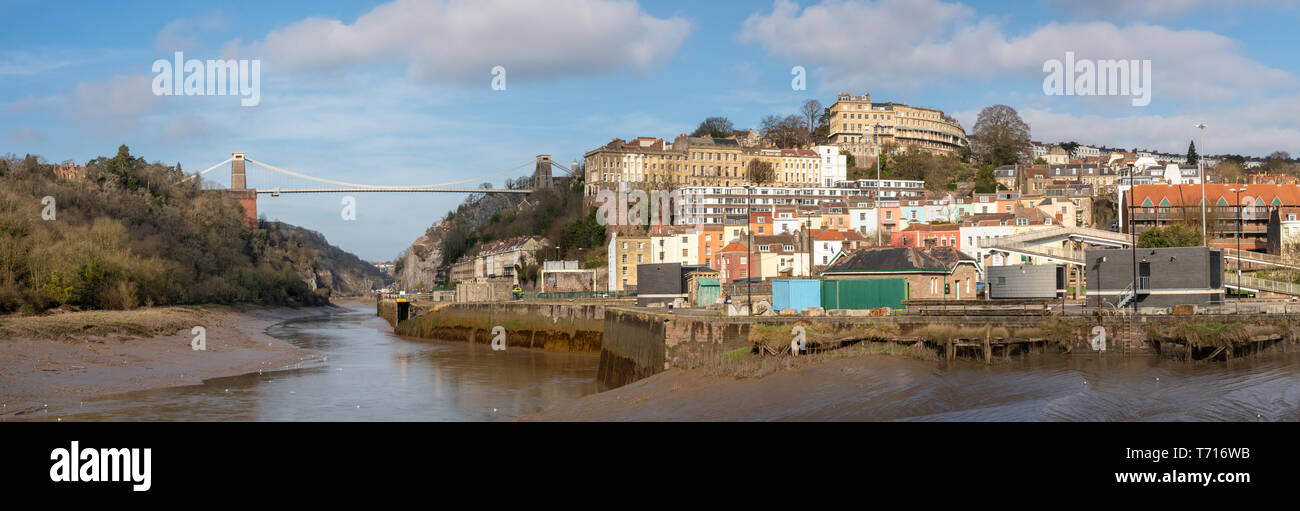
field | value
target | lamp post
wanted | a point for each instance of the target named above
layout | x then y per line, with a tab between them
1236	308
879	223
1133	242
807	231
749	255
1200	162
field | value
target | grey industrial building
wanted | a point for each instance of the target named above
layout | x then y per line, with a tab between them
1164	276
1026	281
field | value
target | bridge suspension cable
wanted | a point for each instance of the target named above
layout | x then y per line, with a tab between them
566	170
205	171
389	187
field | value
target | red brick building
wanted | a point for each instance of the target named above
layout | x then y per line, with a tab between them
925	236
732	262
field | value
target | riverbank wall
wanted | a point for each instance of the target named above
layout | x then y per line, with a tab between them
570	327
640	343
636	343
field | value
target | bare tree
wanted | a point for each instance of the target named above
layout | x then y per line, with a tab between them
785	132
811	109
1001	137
1229	171
761	172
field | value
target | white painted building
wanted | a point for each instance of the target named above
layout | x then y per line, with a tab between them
974	236
1084	151
863	220
834	166
675	245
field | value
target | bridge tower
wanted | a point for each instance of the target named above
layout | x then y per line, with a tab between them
238	179
239	190
542	175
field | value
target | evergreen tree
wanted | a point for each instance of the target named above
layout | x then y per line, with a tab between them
1192	157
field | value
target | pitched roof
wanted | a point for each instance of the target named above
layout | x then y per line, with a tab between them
1215	193
899	260
734	246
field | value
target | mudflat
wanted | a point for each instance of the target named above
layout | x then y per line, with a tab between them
47	362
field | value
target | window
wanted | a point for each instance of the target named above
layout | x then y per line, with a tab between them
640	259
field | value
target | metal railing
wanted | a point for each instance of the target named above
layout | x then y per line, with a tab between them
1258	257
1272	286
1128	295
1065	254
1068	232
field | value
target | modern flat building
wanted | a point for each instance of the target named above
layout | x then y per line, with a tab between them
1231	216
1163	277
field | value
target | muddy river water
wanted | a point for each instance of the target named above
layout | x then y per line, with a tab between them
371	374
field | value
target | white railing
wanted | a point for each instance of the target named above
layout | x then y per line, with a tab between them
1066	254
1273	286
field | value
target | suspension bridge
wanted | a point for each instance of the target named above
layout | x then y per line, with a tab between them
247	197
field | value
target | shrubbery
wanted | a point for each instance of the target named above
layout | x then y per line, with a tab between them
133	233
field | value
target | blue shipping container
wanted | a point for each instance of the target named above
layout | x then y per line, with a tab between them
796	294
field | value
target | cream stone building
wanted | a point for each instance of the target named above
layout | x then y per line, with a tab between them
863	127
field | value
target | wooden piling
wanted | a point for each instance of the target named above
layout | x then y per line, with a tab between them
952	350
988	348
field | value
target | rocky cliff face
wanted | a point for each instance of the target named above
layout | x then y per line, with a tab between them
417	267
419	263
324	266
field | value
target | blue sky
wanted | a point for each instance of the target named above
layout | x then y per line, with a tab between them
399	92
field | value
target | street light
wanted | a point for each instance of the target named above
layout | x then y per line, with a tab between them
875	142
1133	241
1200	162
1237	303
749	255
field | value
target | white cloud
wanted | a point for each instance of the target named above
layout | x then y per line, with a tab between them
26	63
114	106
183	34
1258	129
858	45
461	40
25	135
23	105
1154	8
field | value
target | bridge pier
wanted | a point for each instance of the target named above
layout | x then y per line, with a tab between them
239	190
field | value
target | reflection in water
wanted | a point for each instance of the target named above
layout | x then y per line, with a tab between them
370	374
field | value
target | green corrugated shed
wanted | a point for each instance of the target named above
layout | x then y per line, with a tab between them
863	293
709	291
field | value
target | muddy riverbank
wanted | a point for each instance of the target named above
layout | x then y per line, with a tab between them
894	388
50	368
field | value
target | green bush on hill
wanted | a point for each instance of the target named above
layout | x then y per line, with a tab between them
133	233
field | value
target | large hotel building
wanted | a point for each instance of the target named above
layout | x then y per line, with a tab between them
704	161
863	127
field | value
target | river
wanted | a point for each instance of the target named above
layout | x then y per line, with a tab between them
369	374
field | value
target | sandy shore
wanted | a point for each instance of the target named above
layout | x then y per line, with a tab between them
40	373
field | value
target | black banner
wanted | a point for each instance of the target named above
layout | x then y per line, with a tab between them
320	461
